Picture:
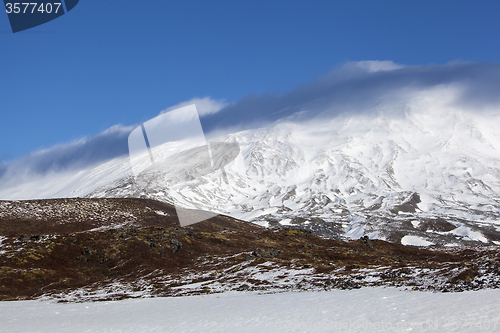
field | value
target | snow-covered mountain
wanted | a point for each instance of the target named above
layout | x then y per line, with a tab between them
420	172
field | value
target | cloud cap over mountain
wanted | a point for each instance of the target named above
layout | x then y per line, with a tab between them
351	88
360	87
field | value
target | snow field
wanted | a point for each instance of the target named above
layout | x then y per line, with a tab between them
363	310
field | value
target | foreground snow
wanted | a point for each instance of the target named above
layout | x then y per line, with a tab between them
363	310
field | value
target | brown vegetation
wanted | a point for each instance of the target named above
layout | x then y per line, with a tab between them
49	255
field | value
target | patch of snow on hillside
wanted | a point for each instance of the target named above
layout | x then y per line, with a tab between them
286	222
467	232
355	231
2	238
414	241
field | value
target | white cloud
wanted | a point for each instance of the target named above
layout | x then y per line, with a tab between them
357	87
376	65
204	106
75	155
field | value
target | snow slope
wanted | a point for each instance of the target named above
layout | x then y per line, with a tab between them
421	166
363	310
358	174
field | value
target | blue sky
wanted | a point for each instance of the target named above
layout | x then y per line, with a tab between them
122	62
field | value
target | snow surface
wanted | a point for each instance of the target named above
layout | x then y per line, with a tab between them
467	232
362	310
2	238
415	241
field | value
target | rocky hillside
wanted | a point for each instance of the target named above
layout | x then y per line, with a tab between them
98	249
